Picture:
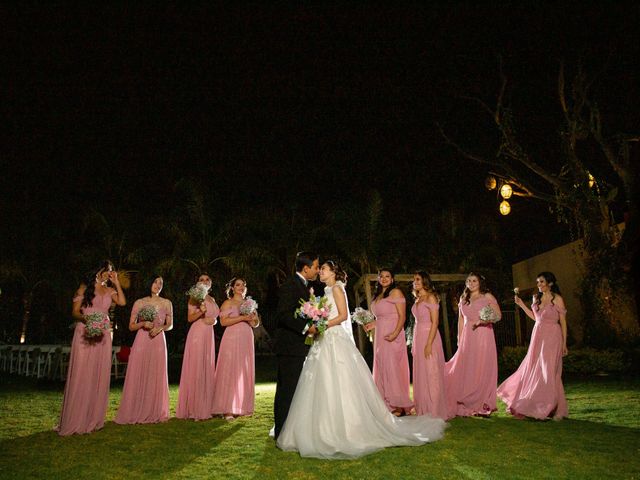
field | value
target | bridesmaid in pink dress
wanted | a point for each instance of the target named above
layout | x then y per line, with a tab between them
471	375
428	356
535	389
145	396
235	373
86	393
390	359
195	394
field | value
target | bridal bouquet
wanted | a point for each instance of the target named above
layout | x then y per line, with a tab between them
148	313
197	293
488	315
363	317
316	312
248	307
95	324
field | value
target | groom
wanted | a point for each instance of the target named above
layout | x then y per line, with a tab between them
289	343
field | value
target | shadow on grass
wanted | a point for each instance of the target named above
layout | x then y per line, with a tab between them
125	451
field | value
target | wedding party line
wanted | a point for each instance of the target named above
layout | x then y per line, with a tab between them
328	402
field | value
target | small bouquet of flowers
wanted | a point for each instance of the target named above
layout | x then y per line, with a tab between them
316	312
488	315
248	306
197	293
363	317
148	313
96	324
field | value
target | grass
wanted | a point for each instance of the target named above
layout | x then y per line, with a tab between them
600	440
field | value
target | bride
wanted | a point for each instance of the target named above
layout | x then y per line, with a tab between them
337	411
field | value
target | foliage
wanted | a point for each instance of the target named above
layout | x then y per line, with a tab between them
591	174
604	416
583	361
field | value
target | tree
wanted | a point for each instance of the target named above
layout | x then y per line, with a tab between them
592	169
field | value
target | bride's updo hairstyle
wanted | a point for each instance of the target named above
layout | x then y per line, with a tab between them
341	275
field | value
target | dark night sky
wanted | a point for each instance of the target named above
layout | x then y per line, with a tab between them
109	108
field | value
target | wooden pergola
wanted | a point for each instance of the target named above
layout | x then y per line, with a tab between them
363	290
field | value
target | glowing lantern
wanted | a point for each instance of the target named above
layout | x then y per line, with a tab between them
490	182
506	191
505	208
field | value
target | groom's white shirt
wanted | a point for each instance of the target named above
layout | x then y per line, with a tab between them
304	280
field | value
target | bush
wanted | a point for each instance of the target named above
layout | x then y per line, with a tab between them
584	361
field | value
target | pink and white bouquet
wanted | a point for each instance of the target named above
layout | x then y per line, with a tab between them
198	293
248	306
363	317
489	315
148	313
316	312
96	324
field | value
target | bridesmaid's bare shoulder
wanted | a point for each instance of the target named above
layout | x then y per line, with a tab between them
559	301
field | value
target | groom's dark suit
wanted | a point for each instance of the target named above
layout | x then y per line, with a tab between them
289	346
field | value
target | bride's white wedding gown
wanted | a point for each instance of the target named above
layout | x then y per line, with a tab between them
337	411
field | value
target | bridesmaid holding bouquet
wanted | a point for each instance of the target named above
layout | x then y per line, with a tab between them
535	390
86	393
235	373
390	359
471	375
145	396
428	356
195	394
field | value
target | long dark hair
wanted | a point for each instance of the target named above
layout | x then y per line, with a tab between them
466	295
341	275
149	281
427	284
379	288
551	281
231	283
90	283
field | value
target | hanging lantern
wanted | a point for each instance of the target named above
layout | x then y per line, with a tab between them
490	182
505	208
506	191
592	180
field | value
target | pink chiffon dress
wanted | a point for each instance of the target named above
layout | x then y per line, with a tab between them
390	359
471	375
145	396
195	394
86	393
428	373
535	389
235	373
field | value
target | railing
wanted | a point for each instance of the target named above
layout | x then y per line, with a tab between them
47	361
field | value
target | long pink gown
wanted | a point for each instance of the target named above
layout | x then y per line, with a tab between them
390	359
235	373
471	376
145	396
428	373
535	389
195	394
86	393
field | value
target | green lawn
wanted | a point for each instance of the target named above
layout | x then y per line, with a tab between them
600	440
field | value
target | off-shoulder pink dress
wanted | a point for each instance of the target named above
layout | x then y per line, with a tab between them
195	394
235	373
390	359
145	396
428	373
471	375
86	393
535	389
